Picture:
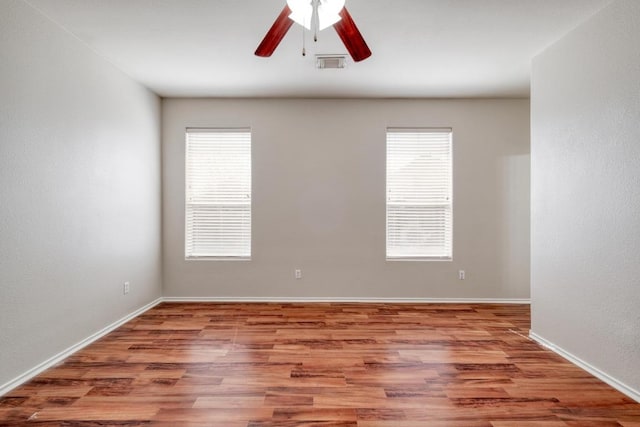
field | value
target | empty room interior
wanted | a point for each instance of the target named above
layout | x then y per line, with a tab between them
320	213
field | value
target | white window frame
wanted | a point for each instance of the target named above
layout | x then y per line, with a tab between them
419	194
218	194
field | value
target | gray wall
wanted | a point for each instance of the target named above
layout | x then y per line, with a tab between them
79	191
319	200
585	261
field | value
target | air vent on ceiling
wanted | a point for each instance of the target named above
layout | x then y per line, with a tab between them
330	61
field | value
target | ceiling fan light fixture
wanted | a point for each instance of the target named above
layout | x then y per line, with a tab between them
328	12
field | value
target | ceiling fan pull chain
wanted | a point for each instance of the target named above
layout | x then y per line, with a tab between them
315	29
304	50
315	19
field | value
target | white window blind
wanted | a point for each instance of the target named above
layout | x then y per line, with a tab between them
419	194
218	193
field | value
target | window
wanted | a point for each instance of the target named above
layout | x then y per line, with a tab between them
218	194
419	202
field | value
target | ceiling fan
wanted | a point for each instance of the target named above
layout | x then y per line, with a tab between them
316	15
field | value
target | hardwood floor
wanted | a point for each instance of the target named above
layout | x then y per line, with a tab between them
365	365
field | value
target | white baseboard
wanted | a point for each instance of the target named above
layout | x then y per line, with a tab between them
618	385
350	300
21	379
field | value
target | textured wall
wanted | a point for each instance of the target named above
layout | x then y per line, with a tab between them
79	191
319	200
585	261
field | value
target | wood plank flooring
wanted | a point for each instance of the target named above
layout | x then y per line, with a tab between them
365	365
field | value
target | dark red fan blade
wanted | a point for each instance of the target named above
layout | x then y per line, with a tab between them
276	33
351	37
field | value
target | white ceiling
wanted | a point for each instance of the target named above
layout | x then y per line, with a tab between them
421	48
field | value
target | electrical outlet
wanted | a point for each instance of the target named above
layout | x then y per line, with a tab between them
298	273
126	288
461	274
